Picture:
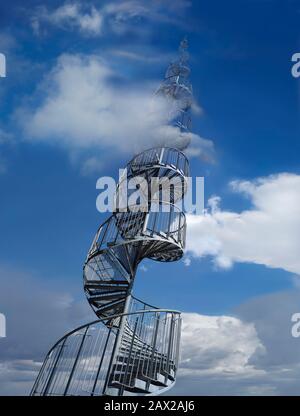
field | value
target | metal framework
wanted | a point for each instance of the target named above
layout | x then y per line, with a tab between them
133	347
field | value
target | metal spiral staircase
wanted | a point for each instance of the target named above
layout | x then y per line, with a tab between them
133	347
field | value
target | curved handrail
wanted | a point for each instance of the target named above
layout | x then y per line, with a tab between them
145	303
153	201
156	157
159	147
96	248
120	315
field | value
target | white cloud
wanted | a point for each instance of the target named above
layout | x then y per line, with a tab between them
146	56
156	11
143	268
217	345
187	261
266	234
119	17
82	109
128	9
17	376
91	165
88	20
135	15
252	353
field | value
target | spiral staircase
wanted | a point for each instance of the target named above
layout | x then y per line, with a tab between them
133	347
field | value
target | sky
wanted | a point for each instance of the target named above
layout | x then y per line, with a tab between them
73	107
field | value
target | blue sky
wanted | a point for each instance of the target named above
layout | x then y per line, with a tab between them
241	74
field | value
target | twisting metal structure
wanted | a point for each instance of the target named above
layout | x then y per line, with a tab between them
133	347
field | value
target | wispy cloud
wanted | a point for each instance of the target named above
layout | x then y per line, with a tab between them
117	17
153	57
75	16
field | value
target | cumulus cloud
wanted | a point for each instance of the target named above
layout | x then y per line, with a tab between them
266	234
216	355
17	376
217	344
81	108
252	353
88	20
272	316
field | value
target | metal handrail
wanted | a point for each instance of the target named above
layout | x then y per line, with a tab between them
96	247
110	318
159	148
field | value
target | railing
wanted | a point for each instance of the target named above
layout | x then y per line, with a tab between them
87	361
163	221
166	221
77	363
172	170
164	156
149	350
